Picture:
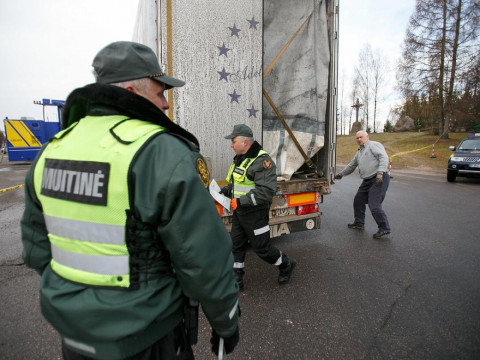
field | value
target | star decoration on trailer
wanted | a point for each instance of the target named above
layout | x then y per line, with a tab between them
252	112
234	76
234	96
253	23
234	31
223	74
223	50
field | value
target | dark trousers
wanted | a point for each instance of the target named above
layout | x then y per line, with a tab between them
173	346
253	228
372	194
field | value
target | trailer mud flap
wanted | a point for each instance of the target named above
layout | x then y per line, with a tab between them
294	226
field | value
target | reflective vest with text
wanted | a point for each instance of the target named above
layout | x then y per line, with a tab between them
81	180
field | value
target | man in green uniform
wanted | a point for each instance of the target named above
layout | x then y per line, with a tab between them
252	183
119	223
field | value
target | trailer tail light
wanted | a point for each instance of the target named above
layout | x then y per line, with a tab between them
307	209
219	208
302	199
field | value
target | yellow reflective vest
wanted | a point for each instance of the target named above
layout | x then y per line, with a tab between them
85	198
241	183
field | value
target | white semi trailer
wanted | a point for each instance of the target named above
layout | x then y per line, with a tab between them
270	64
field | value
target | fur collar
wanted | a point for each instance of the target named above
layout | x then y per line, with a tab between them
120	101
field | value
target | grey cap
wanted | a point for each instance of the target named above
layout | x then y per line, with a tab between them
240	130
126	60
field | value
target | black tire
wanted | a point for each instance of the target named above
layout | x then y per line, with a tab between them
451	176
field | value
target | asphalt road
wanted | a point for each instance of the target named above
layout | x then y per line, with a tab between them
415	295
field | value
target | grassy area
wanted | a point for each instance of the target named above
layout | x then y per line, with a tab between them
397	143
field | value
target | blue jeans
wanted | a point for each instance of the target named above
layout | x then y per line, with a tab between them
372	194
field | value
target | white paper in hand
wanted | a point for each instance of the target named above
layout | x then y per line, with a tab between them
220	198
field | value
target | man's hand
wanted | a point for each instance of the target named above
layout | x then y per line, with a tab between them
233	204
229	342
379	179
224	191
338	176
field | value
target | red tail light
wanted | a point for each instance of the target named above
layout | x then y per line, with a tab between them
307	209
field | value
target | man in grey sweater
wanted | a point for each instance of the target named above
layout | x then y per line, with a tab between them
372	162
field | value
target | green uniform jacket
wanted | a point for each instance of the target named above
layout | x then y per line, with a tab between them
263	173
172	204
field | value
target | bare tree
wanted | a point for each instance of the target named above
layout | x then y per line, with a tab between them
441	43
363	77
369	74
379	68
468	109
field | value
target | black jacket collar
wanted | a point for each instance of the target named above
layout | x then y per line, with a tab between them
101	99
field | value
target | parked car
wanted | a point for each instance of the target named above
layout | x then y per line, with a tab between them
465	160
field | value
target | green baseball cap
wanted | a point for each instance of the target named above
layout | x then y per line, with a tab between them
126	60
240	130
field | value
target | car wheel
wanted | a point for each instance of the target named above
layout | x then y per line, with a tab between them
451	176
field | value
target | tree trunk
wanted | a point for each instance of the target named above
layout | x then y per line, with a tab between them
443	130
451	88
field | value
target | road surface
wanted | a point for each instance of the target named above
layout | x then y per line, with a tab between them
415	295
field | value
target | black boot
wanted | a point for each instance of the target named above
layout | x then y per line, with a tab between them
239	277
286	269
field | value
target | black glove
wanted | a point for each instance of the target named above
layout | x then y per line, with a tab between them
225	191
338	176
229	343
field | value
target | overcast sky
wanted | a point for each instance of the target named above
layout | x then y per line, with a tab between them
47	47
382	24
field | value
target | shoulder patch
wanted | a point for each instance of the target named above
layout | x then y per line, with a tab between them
267	164
203	172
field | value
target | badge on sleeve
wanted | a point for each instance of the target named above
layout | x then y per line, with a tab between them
203	172
267	164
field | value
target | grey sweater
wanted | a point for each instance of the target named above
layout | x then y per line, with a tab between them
370	159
